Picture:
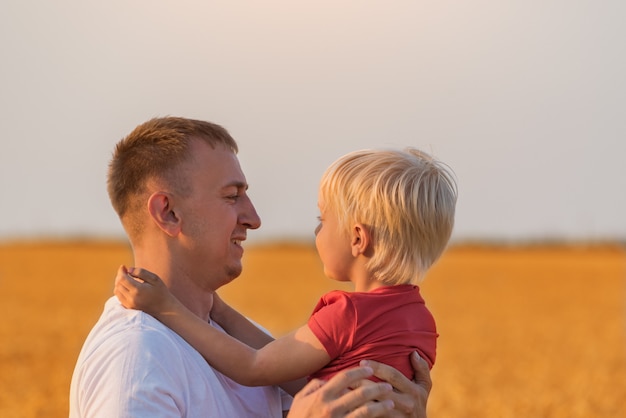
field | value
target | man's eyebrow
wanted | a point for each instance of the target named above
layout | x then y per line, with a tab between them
237	184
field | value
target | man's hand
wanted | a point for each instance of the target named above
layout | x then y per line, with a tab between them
409	397
334	399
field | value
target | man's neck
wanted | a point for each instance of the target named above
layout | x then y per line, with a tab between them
197	299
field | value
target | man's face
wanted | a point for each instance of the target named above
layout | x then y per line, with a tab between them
215	216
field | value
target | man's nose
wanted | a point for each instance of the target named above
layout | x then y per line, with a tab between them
249	217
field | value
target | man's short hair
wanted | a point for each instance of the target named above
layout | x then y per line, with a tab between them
155	150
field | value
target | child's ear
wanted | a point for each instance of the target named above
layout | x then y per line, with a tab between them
360	240
161	208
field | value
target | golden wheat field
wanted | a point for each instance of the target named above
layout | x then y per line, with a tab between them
524	331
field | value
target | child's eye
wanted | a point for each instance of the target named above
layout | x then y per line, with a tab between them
318	228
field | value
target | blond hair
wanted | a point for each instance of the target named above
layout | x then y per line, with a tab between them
155	150
406	199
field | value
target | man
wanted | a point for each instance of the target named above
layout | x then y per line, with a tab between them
181	196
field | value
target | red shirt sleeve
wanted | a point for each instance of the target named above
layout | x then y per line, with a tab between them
333	321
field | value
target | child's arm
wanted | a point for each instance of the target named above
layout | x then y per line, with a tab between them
237	325
291	357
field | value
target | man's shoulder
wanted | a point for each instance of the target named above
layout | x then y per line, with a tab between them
131	362
124	332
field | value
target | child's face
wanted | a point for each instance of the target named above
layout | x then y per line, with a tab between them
333	245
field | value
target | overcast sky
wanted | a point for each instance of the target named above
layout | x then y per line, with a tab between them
524	99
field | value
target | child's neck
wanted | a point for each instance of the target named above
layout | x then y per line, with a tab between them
367	285
362	278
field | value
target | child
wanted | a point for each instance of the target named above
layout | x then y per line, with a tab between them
385	217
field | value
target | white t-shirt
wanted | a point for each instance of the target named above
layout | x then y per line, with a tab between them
131	365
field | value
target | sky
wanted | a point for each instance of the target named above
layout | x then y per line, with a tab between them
525	100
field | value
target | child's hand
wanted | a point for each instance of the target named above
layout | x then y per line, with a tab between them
137	288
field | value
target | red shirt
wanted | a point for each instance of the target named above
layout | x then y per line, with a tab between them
386	325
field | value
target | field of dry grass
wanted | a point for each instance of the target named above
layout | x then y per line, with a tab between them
525	332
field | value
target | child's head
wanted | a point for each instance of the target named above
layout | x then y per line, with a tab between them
406	200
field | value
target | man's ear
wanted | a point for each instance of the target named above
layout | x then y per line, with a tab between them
360	240
161	208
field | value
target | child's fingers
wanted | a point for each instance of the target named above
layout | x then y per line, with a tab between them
123	279
121	292
125	288
121	295
145	275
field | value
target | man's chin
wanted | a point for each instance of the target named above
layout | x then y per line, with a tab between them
233	272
